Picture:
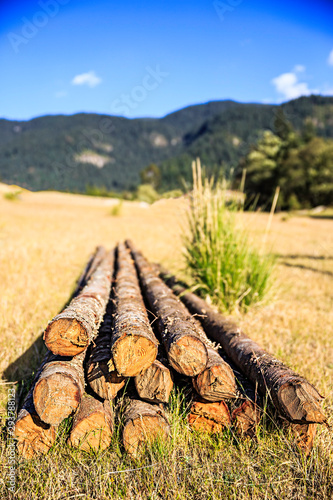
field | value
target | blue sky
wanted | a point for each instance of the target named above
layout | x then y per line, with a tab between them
149	58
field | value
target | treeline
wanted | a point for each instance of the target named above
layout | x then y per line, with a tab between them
300	163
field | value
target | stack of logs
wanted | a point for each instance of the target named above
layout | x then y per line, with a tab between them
103	342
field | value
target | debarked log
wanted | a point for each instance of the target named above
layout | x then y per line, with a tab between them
71	331
133	343
186	352
92	426
59	389
143	423
293	396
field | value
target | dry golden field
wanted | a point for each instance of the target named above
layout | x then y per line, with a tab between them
45	240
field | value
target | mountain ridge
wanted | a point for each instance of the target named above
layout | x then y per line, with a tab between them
69	152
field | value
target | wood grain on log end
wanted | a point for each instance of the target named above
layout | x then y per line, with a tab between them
143	424
34	437
245	418
104	380
188	355
132	354
217	381
301	402
304	435
209	417
56	396
155	383
66	337
92	426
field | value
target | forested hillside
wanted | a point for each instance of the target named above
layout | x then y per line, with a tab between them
72	153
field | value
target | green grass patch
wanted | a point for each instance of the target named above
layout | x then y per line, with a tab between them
12	195
220	256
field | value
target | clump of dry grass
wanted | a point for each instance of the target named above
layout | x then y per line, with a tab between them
220	256
44	243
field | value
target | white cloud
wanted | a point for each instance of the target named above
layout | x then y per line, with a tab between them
330	59
90	79
299	68
289	87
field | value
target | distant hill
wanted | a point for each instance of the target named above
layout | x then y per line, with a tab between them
70	152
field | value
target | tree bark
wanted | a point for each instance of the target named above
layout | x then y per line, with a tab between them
143	423
293	396
155	383
186	352
71	331
209	417
59	389
133	343
33	436
92	427
90	268
101	373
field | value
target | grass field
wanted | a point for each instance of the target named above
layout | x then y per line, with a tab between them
45	240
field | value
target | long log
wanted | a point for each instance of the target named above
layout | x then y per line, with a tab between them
59	389
293	396
33	436
247	409
212	417
143	423
71	331
186	352
92	264
92	426
101	372
155	383
133	343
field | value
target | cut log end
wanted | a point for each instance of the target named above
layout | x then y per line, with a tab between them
188	356
66	337
216	383
142	431
245	418
34	437
304	435
209	417
155	383
92	433
105	382
132	354
56	397
301	403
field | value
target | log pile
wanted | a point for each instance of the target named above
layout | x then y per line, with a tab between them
108	363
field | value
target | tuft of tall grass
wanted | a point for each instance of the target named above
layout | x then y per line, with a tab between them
12	195
218	251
